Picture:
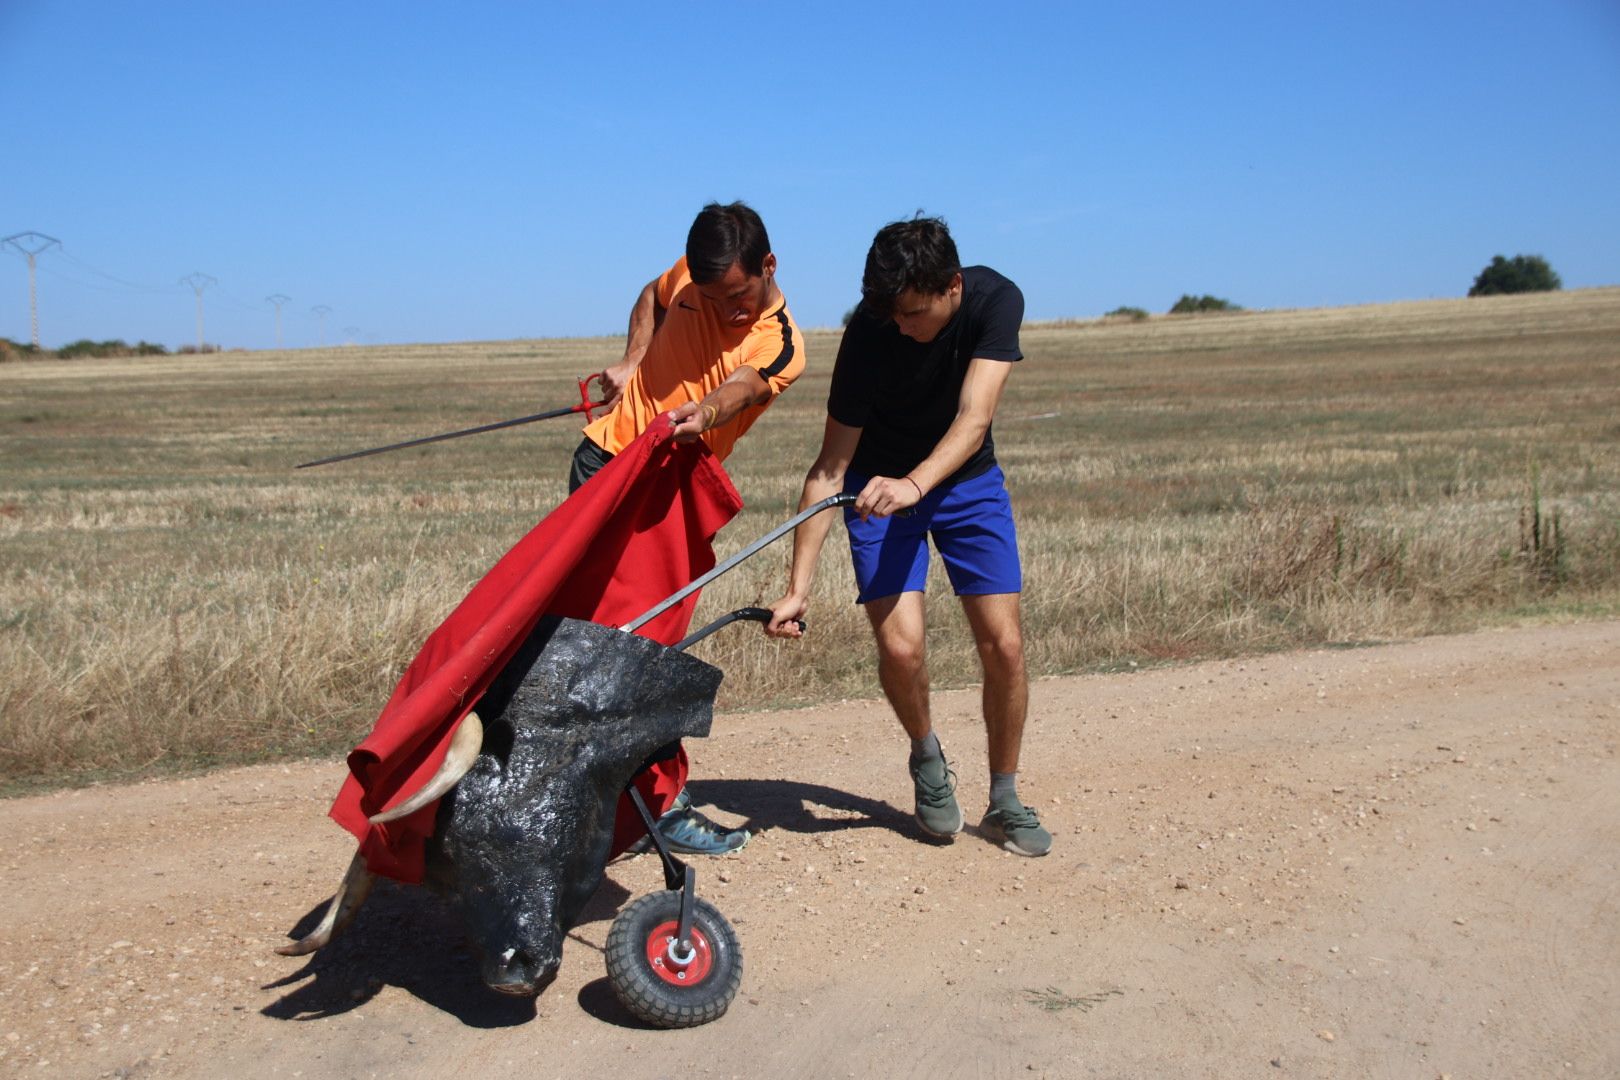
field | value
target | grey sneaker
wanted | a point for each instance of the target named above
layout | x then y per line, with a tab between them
1017	829
687	832
935	783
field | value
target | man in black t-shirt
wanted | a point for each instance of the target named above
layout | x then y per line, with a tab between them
918	378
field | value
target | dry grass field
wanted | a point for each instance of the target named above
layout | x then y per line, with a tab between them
175	595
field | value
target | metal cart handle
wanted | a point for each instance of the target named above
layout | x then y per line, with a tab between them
843	499
745	614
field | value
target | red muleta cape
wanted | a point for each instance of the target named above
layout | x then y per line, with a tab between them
639	531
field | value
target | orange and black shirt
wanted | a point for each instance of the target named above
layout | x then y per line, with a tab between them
691	354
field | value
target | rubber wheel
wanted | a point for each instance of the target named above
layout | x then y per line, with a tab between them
652	983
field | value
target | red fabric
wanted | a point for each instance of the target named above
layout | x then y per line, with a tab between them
636	533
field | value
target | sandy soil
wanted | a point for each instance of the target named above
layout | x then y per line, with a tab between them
1401	861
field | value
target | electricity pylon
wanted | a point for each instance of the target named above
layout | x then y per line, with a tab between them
31	244
277	300
198	283
321	311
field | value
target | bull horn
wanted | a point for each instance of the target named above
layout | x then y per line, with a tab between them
464	747
340	912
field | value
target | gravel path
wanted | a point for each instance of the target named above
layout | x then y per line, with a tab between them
1396	861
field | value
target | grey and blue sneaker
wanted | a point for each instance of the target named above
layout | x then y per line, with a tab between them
687	832
937	813
1017	829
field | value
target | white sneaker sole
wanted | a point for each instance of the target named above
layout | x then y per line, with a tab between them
938	835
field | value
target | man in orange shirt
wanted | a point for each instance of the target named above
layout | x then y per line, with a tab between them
711	341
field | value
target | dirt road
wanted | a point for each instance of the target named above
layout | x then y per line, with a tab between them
1400	861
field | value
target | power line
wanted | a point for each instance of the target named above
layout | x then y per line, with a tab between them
31	244
161	290
321	311
198	283
56	273
277	299
236	301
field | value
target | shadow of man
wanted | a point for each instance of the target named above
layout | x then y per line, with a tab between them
799	807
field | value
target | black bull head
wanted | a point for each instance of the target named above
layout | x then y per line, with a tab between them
522	838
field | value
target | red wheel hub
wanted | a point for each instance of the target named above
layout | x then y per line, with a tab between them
663	956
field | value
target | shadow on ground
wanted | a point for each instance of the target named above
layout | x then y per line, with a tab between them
800	807
409	937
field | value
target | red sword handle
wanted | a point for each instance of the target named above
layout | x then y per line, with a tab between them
585	403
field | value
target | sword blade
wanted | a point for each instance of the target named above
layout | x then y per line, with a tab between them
447	435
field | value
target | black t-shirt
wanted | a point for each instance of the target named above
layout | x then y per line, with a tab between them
904	394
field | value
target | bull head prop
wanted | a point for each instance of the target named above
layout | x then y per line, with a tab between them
529	788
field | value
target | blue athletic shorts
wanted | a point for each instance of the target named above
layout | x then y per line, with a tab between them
972	526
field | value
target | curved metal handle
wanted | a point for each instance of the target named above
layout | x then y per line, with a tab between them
841	499
745	614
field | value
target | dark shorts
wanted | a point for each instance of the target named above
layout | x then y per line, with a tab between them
588	458
972	527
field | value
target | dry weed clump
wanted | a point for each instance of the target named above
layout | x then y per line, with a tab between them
268	666
174	594
1298	553
1281	575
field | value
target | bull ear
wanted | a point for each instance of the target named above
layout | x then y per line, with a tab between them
340	912
464	745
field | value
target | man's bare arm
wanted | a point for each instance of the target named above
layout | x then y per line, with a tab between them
645	318
742	388
825	478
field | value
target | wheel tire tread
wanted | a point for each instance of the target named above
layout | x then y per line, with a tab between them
642	992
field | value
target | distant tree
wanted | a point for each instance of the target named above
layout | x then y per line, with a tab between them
17	349
1189	304
1134	314
1522	273
73	350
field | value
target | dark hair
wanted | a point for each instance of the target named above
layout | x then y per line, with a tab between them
914	254
722	235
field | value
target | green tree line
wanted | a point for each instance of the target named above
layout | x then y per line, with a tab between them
84	347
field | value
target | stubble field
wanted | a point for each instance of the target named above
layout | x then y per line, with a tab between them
175	595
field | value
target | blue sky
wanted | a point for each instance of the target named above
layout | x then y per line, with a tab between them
436	172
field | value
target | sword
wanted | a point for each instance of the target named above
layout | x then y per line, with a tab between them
585	406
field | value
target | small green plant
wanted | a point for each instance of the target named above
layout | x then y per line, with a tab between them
1541	538
1054	1000
1134	314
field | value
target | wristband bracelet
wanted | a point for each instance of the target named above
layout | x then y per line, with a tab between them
918	487
710	415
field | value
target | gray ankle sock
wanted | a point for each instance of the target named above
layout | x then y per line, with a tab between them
1004	788
926	747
